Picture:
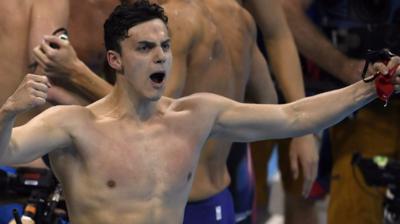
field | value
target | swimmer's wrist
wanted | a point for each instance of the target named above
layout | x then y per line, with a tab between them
7	111
83	76
371	90
77	71
11	108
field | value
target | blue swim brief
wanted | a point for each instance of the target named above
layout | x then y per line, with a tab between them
217	209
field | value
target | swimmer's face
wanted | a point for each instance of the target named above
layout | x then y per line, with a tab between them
146	58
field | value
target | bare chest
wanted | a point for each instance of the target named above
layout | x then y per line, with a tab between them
143	162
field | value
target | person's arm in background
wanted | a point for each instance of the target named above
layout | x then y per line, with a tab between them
285	65
64	62
316	47
48	16
260	87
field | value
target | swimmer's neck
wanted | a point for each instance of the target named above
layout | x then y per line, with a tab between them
122	102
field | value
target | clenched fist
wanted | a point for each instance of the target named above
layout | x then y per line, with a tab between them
30	93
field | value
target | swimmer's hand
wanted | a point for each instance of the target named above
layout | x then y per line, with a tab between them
59	61
30	93
391	71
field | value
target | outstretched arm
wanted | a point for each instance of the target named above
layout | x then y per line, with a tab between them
251	122
254	122
36	138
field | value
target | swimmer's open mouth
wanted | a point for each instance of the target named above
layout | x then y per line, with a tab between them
158	77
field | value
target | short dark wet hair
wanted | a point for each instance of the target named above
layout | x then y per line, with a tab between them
127	15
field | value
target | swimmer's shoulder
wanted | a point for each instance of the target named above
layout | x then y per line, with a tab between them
65	114
202	100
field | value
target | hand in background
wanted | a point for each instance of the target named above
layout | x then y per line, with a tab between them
304	155
56	56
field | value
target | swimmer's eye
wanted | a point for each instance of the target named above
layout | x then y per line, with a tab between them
166	46
144	47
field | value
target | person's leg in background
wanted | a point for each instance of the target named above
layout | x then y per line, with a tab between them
241	186
261	153
297	209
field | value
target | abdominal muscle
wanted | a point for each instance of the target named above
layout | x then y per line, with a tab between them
95	200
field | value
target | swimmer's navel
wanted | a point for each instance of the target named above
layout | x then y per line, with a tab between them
111	184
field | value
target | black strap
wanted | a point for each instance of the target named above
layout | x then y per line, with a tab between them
60	30
371	57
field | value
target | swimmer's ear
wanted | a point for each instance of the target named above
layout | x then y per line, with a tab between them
114	60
